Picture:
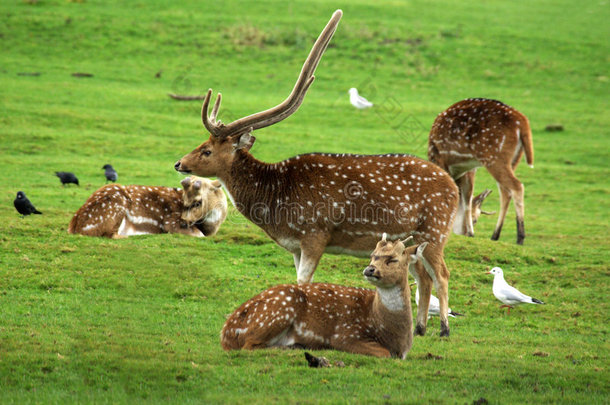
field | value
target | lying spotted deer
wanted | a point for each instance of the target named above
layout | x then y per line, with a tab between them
337	203
480	132
328	316
117	211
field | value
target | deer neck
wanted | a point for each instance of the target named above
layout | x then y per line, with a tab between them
255	186
392	307
391	317
392	300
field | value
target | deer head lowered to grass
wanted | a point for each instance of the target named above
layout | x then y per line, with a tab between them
117	211
338	203
480	132
328	316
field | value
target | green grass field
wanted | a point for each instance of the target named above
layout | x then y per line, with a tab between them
125	321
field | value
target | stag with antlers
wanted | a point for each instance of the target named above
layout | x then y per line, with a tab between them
338	203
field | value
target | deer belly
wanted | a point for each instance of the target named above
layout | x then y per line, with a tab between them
358	243
286	338
293	245
459	169
340	250
299	335
131	226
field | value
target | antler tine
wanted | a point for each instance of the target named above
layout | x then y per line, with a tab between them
216	108
210	121
293	102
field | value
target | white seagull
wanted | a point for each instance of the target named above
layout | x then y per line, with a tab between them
357	100
435	306
507	294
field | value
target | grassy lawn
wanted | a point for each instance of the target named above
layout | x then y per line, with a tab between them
138	320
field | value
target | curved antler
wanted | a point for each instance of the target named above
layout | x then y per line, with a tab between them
288	106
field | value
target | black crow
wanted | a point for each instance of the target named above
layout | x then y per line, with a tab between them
23	205
111	174
67	178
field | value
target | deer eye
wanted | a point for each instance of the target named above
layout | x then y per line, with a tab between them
390	261
206	153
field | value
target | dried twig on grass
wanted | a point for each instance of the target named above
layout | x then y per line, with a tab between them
182	97
81	74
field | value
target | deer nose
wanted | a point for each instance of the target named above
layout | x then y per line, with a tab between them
369	271
177	166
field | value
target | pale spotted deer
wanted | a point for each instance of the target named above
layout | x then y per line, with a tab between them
117	211
338	203
480	132
329	316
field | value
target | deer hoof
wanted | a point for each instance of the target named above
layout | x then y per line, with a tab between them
420	330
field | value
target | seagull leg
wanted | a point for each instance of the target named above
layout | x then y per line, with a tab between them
506	306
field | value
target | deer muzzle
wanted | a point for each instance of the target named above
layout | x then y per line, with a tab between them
179	168
370	272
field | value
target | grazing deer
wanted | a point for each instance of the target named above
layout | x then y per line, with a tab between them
337	203
329	316
476	208
117	211
480	132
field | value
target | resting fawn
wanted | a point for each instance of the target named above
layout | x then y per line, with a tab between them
117	211
328	316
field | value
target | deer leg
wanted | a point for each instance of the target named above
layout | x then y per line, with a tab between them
424	284
442	290
312	248
504	202
464	221
297	260
441	285
437	270
520	211
510	187
307	266
272	334
418	274
363	347
191	231
252	344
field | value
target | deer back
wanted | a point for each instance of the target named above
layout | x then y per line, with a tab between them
102	213
353	199
481	130
154	209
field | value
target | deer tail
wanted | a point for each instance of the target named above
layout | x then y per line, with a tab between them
525	132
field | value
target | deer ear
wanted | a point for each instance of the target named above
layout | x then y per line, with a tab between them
245	141
478	200
408	242
216	184
420	249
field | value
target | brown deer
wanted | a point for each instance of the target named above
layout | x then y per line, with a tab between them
480	132
117	211
337	203
329	316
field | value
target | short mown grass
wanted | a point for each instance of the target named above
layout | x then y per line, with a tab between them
138	320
